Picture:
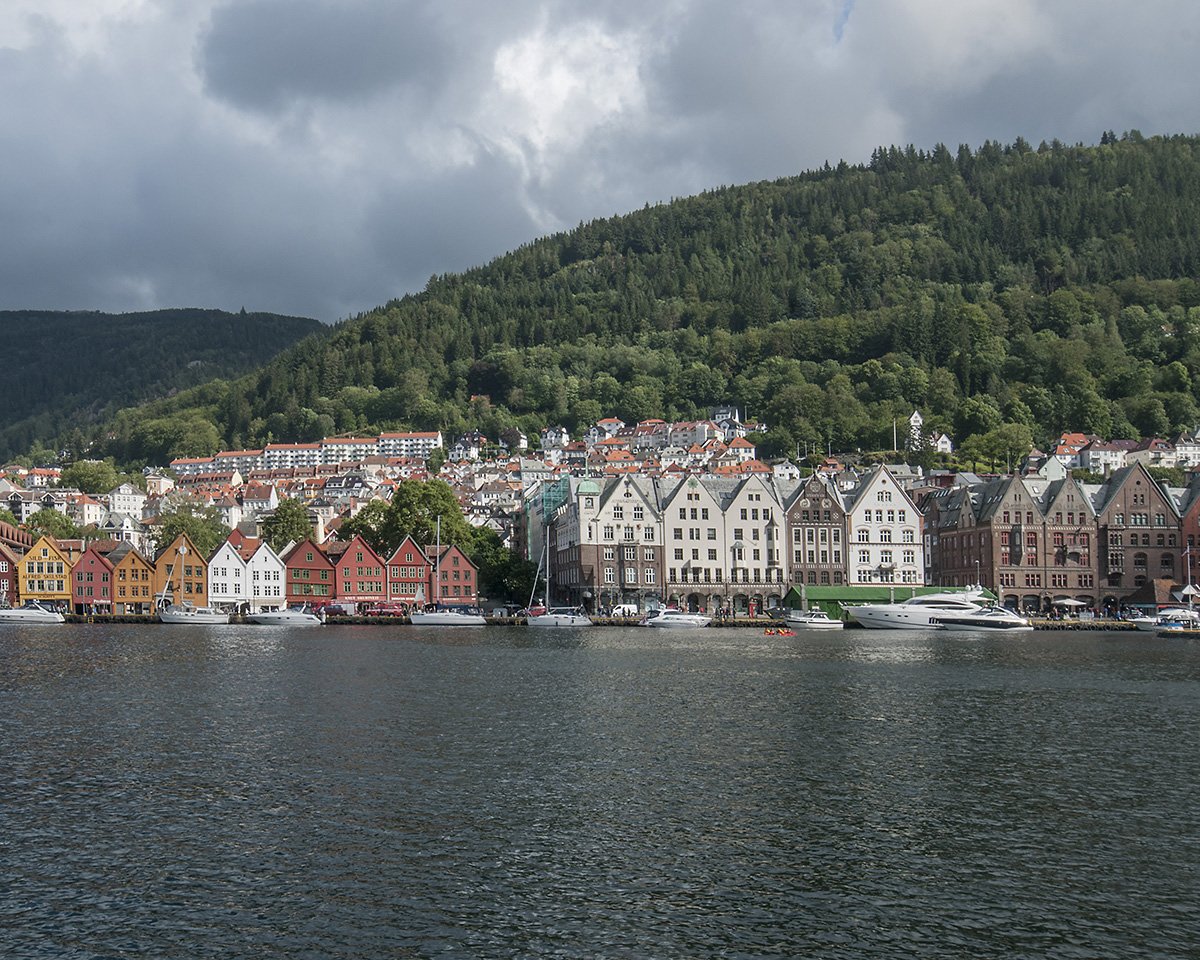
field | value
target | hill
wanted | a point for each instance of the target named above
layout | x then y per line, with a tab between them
66	373
1004	291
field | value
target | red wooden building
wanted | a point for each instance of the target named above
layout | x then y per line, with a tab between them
408	574
92	579
358	573
456	577
310	577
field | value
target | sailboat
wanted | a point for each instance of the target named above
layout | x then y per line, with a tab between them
553	616
458	615
187	612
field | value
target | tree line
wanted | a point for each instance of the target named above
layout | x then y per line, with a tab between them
1003	291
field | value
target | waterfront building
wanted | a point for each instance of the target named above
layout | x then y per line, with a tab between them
268	575
884	536
358	573
815	529
9	564
697	559
133	580
454	578
309	577
181	573
44	572
92	579
1138	532
408	574
619	548
228	581
1029	539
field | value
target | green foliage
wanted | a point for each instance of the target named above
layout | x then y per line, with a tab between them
413	512
79	368
1172	476
91	476
6	516
202	525
58	525
288	524
1051	287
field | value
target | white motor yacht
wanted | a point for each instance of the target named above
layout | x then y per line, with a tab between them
672	617
1175	616
31	612
918	612
560	617
812	620
449	617
188	613
301	616
987	618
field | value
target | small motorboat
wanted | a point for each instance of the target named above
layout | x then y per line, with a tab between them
559	617
300	616
673	617
31	612
189	613
813	620
460	616
986	618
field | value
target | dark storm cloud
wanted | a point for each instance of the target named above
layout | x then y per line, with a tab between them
322	157
263	54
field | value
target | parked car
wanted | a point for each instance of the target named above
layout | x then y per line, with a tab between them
337	610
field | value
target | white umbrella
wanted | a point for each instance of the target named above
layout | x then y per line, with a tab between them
1068	602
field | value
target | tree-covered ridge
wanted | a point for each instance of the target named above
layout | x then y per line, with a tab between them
67	372
1051	288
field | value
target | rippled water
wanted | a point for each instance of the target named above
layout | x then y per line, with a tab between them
388	792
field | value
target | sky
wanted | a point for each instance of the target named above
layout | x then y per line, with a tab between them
321	157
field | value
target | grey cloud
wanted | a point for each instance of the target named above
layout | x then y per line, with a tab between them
357	160
265	54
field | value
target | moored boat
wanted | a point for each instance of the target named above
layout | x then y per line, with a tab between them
673	617
1174	616
560	617
917	612
460	616
812	620
987	618
301	616
189	613
31	612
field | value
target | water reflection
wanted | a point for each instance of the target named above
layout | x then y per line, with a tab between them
375	791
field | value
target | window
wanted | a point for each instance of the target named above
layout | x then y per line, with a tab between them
677	533
649	575
639	512
648	554
618	512
610	575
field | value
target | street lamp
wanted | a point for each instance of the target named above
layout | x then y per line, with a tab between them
978	582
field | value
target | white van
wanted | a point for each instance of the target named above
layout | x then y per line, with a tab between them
625	610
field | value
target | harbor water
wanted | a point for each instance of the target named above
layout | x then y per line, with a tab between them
368	792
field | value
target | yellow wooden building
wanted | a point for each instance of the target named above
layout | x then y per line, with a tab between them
181	574
44	573
133	581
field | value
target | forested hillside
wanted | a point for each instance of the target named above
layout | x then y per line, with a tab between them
66	373
1009	288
